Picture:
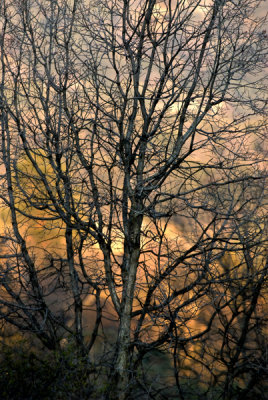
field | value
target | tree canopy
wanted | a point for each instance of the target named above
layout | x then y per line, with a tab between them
133	133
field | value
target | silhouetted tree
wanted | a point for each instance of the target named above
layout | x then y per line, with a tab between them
128	131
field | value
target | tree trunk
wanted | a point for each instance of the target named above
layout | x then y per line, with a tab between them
120	379
122	373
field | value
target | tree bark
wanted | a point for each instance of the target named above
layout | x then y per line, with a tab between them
122	367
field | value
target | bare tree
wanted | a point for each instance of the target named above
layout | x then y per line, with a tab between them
231	358
128	131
